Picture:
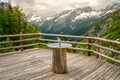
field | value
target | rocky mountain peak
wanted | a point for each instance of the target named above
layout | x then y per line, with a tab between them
77	21
87	9
113	6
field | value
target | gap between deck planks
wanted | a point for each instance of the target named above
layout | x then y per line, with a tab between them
35	64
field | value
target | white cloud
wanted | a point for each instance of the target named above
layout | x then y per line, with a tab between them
3	0
51	7
93	3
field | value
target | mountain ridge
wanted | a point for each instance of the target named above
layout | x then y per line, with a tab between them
79	21
109	26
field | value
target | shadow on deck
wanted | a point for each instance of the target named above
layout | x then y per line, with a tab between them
36	65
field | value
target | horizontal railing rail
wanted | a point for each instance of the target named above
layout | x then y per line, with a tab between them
40	40
16	35
82	37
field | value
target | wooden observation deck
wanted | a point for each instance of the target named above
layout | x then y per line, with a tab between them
35	64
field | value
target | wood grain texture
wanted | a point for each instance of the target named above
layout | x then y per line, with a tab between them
90	43
36	64
59	65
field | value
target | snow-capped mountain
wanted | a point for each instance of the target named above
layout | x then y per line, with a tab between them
35	18
77	21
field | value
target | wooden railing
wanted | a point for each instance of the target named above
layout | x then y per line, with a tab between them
93	44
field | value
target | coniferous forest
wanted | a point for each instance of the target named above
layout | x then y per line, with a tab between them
14	21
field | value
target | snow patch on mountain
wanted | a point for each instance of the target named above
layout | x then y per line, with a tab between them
35	18
49	18
109	11
88	14
72	27
62	16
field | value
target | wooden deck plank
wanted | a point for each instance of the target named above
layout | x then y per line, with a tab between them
104	73
19	65
116	75
111	74
81	71
30	62
73	68
89	70
19	70
23	57
69	61
42	72
43	58
34	74
36	65
42	77
98	72
31	70
19	53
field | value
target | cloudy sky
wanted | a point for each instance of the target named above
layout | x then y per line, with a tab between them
51	7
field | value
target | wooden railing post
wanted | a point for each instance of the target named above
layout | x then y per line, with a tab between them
21	43
61	38
38	39
89	47
98	49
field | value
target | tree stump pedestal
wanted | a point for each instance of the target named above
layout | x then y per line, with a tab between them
59	64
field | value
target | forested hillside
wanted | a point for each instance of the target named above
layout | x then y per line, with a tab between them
109	27
13	20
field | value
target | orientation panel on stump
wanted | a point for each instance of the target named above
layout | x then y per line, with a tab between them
59	64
